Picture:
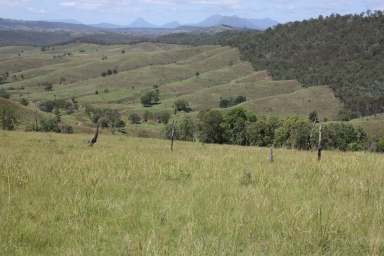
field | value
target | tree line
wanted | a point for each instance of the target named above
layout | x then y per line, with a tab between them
241	127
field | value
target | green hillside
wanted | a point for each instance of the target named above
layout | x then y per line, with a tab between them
115	77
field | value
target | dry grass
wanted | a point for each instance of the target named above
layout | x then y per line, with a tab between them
128	196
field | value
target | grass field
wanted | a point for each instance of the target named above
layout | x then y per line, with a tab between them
75	70
130	196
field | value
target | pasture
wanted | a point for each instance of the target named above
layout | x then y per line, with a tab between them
116	76
131	196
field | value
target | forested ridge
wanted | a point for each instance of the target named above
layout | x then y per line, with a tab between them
344	52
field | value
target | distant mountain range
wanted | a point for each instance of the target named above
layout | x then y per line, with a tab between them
237	22
71	25
214	21
41	33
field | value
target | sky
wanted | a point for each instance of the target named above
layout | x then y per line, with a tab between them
123	12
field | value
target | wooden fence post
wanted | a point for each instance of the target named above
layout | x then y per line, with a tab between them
172	135
319	146
271	154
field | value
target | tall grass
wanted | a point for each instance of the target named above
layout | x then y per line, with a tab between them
129	196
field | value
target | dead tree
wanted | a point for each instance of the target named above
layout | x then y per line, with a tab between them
320	145
172	135
93	141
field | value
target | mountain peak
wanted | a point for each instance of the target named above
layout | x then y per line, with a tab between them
142	23
237	22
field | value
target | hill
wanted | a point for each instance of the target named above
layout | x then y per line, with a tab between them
237	22
343	52
116	76
25	116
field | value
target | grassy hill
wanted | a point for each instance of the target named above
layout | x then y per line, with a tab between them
25	115
133	196
116	76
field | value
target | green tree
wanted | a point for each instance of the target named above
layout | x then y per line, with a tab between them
4	93
24	102
8	119
235	126
148	115
210	126
182	105
380	145
313	116
134	118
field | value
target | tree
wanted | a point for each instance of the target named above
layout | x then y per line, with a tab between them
150	98
49	125
8	119
163	117
4	93
134	118
182	105
47	106
313	117
24	102
235	122
262	132
380	145
210	126
186	128
147	116
230	101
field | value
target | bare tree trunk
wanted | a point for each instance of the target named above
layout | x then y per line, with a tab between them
319	146
172	135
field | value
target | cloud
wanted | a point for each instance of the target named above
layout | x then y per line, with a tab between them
94	4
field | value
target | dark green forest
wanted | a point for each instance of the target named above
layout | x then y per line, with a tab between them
344	52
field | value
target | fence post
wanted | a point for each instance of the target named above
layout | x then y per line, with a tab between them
319	146
172	135
271	154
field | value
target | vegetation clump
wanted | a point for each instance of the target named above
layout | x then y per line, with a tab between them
231	101
151	98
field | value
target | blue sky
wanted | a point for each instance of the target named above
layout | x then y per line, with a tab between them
186	11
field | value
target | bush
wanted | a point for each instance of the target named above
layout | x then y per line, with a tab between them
47	106
230	102
210	126
235	122
380	145
147	116
8	119
182	105
49	125
24	102
134	118
4	94
150	98
313	117
163	117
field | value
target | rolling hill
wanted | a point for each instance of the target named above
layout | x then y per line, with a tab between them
201	75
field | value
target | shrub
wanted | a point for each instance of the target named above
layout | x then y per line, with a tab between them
313	116
210	126
8	119
150	98
24	102
230	101
47	106
147	116
182	105
380	145
4	94
134	118
163	117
